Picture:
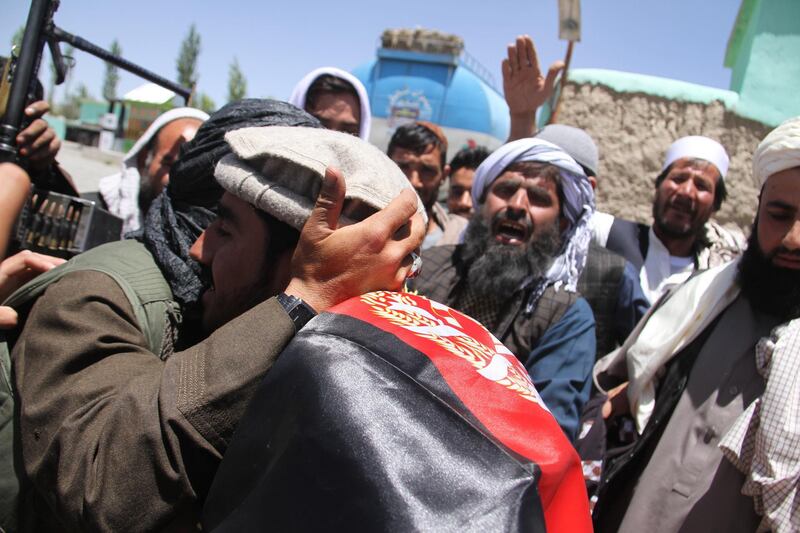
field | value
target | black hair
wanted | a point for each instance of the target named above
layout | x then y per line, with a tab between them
326	84
469	158
416	138
282	236
720	192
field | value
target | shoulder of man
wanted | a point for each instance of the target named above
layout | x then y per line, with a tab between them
630	240
133	268
551	308
602	266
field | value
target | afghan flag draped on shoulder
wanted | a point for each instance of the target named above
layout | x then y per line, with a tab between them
392	412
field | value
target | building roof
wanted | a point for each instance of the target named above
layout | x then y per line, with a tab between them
150	93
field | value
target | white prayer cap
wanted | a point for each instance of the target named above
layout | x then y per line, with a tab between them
162	120
779	150
300	92
698	147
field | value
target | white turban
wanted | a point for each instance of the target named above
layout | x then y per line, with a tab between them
779	150
300	92
577	208
698	147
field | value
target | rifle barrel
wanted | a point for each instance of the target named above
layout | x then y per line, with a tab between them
25	71
91	48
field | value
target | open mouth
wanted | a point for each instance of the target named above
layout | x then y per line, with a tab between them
510	232
681	208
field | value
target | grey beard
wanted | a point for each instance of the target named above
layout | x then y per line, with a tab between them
770	289
496	270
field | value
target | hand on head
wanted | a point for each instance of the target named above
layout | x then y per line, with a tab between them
15	272
38	142
332	264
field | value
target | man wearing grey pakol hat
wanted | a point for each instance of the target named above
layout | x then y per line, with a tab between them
272	179
710	381
126	402
609	282
517	270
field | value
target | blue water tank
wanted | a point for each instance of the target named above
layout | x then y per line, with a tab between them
404	86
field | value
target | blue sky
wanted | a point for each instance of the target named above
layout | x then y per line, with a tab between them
276	43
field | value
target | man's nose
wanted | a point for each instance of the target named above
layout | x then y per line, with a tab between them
198	251
791	241
687	188
413	177
466	199
519	200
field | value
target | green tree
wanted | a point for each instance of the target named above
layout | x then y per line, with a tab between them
237	83
16	40
111	79
187	58
204	102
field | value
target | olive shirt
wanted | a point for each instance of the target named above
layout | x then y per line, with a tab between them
114	438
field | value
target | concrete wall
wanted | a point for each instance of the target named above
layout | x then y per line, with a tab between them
633	130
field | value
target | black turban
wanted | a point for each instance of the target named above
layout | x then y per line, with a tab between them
187	206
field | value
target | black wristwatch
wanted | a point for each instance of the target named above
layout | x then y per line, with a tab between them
299	311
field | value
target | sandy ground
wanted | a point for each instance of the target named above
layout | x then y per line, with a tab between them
87	164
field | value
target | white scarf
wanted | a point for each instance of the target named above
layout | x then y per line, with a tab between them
662	334
298	97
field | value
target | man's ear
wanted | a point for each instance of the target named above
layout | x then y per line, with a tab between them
562	224
593	182
446	172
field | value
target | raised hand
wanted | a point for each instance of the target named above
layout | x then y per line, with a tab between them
524	87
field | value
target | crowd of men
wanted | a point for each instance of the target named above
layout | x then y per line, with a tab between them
256	352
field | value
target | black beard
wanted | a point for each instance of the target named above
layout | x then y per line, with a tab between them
770	289
147	194
495	269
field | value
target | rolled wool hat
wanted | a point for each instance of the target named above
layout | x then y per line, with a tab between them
699	147
779	150
576	142
280	170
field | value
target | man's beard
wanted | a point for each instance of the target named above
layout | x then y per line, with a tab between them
495	269
147	193
770	289
693	228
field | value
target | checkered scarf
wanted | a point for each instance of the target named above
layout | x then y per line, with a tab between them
764	442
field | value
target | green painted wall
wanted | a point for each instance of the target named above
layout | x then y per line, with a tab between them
764	54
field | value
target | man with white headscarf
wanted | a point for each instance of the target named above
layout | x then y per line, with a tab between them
690	188
517	269
145	168
710	379
336	98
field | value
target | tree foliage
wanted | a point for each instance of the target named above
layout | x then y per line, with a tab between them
111	79
16	40
187	58
237	83
204	102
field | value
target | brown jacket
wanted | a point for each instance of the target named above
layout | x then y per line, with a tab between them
113	438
